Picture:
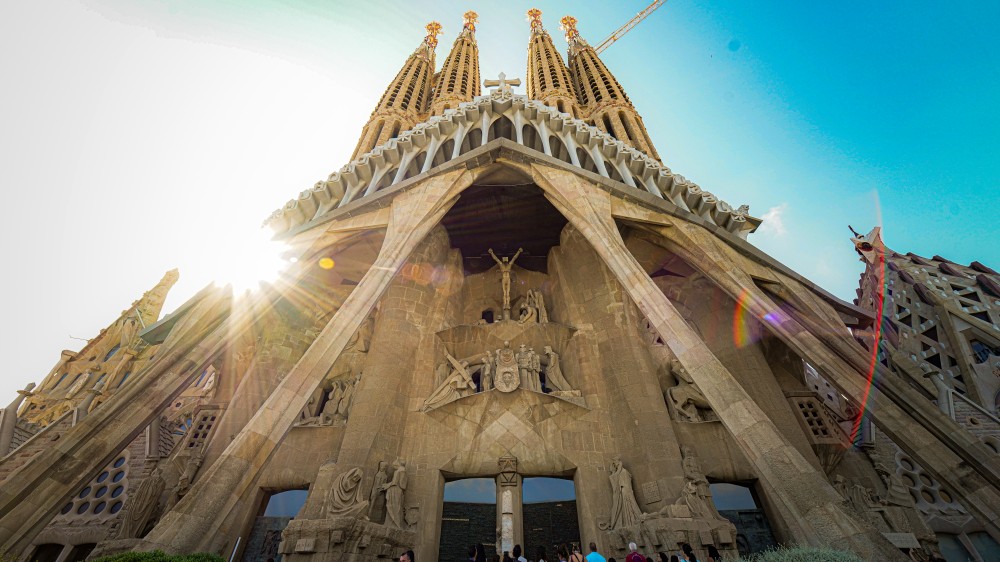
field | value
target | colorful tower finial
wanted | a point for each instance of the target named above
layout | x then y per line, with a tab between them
470	18
535	19
568	25
433	30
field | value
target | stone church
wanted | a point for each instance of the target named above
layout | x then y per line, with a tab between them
509	289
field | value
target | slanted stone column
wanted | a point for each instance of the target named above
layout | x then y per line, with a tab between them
818	517
30	499
821	345
195	523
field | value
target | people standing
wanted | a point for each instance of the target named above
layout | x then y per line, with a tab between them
517	554
633	555
577	556
595	556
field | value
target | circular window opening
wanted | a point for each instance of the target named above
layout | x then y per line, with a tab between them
85	492
928	497
100	507
945	496
67	508
102	477
908	481
101	491
83	508
118	476
926	481
906	463
117	491
973	421
116	507
119	462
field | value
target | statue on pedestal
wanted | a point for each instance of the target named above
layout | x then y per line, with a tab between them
345	498
625	510
686	396
505	267
376	499
394	491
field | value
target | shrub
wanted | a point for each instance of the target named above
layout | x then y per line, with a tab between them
803	554
160	556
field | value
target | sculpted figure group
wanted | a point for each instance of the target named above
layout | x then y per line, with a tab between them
503	369
696	495
385	499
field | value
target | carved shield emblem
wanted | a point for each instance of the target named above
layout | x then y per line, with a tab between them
507	378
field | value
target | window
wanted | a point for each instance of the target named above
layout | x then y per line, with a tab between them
111	353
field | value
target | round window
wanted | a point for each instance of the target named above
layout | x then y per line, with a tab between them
117	491
83	507
85	492
101	491
100	507
118	476
116	507
102	477
67	508
119	462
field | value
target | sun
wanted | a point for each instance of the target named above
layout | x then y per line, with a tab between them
249	260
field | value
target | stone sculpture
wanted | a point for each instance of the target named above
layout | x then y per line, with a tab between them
505	267
694	475
543	315
535	371
333	403
625	510
376	498
394	491
130	327
140	505
441	373
524	366
486	372
686	397
553	373
186	479
456	385
528	314
507	377
692	498
345	498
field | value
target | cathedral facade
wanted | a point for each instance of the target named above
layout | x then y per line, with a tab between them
509	287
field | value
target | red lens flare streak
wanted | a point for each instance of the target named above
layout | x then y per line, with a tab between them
876	340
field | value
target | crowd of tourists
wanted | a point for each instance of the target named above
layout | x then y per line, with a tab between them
564	553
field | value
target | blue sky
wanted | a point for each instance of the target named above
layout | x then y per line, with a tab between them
140	136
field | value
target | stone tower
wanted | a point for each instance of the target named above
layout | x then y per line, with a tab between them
501	293
548	79
458	80
405	100
604	100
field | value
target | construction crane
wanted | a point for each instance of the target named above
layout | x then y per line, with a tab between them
629	25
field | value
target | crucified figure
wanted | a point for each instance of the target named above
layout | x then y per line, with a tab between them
505	267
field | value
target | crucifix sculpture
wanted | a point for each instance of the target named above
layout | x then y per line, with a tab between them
503	85
505	267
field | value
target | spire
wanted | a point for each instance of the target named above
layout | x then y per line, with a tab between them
458	80
548	78
601	96
406	97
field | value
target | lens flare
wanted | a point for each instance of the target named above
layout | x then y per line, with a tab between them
326	263
742	336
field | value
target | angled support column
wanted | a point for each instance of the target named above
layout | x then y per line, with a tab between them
33	495
195	523
815	508
954	459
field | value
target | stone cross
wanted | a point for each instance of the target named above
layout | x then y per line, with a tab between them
503	83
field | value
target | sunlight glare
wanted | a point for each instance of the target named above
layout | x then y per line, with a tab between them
247	261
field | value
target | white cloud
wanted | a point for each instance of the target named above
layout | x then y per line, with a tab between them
774	221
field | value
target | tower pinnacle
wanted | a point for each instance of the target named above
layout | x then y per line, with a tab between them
458	80
548	79
433	30
406	98
602	97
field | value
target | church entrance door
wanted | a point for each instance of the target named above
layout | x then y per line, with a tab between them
550	516
468	518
